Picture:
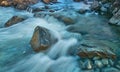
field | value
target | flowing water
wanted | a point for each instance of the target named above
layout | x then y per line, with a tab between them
16	54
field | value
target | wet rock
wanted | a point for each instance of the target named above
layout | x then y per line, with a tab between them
96	58
111	69
40	15
48	1
111	62
98	64
92	50
116	4
42	39
88	64
76	0
37	10
95	5
14	20
105	61
82	11
5	3
51	11
67	20
20	4
115	19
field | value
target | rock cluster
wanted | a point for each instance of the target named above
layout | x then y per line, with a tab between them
20	4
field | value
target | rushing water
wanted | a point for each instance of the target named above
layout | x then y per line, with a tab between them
16	55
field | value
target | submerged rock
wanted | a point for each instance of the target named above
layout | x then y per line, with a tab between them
42	39
14	20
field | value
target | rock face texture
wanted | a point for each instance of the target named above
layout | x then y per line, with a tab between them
42	39
20	4
92	50
14	20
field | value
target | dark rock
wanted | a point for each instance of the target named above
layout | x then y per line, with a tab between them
37	10
14	20
40	15
51	11
95	6
42	39
76	0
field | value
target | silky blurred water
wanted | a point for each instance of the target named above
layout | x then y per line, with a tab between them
16	54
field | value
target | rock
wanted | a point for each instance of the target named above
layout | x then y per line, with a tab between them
111	62
76	0
82	11
67	20
42	39
40	15
20	4
116	3
5	3
51	11
14	20
105	61
111	69
115	19
37	10
95	5
88	64
92	50
48	1
96	58
98	63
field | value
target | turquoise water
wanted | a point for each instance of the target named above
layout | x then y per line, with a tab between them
16	54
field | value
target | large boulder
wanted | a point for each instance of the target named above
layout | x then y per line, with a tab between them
42	39
14	20
115	19
91	50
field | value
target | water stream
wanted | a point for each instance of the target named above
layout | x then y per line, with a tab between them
16	54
